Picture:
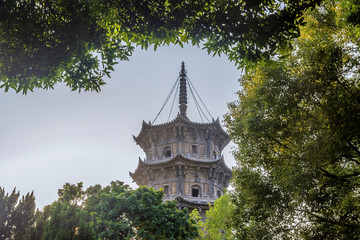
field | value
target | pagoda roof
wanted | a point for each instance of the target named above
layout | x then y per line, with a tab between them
184	120
176	160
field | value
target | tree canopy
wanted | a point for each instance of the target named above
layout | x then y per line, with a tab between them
16	215
111	212
217	223
296	125
78	42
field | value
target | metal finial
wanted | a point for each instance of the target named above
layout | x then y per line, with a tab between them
183	71
182	94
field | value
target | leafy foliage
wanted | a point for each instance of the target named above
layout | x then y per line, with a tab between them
155	219
217	224
296	127
66	221
112	212
107	210
78	42
17	217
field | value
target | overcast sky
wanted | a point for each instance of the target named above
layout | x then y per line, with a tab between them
48	138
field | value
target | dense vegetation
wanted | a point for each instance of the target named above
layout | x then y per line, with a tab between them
79	41
296	125
112	212
217	224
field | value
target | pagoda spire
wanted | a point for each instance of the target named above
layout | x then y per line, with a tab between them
182	94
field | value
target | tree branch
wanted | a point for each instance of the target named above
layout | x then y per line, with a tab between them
355	149
330	175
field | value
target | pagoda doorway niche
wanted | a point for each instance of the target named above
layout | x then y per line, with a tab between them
195	191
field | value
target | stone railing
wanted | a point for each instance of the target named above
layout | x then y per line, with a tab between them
205	199
192	156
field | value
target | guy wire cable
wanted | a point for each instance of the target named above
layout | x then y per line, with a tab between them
167	99
200	98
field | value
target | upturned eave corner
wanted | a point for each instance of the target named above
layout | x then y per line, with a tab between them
217	122
222	162
145	126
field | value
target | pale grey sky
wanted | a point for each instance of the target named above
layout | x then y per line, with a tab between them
48	138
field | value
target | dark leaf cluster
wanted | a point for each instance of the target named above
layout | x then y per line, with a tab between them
78	42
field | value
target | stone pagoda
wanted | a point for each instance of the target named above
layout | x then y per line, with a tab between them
184	158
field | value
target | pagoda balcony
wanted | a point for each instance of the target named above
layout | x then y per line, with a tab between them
191	156
203	200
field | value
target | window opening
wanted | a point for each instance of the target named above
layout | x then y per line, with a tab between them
195	191
167	151
194	149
